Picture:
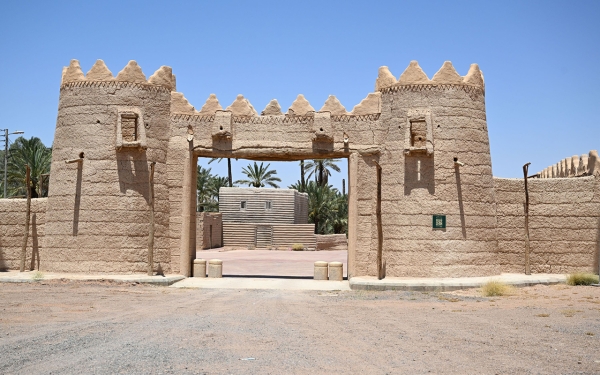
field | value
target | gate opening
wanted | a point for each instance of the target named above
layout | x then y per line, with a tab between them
272	218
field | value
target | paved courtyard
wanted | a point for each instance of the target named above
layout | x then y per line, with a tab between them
272	262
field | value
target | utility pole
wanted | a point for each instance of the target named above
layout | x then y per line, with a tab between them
6	155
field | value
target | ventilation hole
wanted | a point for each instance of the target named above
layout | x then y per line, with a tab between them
455	159
438	126
420	139
81	155
147	125
97	121
321	129
220	127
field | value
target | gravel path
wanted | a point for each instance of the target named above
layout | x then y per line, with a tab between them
104	328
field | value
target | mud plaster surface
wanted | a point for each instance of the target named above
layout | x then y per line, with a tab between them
73	328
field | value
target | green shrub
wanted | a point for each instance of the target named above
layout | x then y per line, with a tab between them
297	247
495	288
37	276
582	278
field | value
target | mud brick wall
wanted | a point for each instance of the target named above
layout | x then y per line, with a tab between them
12	227
564	224
205	221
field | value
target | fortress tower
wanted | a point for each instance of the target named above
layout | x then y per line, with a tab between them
436	160
98	206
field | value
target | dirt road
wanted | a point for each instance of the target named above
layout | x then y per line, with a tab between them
94	328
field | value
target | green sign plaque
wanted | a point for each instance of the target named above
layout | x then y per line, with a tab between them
439	221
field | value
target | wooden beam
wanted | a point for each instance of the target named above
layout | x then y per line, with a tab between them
151	207
27	217
527	249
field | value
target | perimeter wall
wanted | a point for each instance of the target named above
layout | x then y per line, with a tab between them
12	229
564	224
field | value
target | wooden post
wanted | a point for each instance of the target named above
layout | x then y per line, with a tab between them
151	234
380	266
27	217
527	249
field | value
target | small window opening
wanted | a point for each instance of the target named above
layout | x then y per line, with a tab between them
242	205
129	127
418	133
267	205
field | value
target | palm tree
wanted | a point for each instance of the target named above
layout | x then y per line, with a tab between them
216	183
298	186
30	152
322	206
302	173
340	220
320	168
228	168
259	175
203	178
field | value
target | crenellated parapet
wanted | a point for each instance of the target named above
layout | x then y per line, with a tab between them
241	106
414	78
132	73
241	112
574	166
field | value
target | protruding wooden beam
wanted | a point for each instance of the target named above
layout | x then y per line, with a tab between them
527	249
27	217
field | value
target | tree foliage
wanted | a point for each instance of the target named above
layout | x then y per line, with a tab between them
207	187
24	152
229	179
327	207
321	169
259	176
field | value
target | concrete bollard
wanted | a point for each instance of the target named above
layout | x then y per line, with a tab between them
199	268
215	268
320	270
336	271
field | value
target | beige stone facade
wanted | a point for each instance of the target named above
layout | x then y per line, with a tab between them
417	147
265	218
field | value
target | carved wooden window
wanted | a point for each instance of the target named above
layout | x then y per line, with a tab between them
418	134
130	128
129	123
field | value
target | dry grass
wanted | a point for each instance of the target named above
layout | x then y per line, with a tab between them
543	315
495	288
582	278
569	313
449	299
297	247
37	276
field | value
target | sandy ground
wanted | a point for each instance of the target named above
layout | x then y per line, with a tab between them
272	262
53	327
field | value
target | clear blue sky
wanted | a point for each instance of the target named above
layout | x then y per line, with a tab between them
541	59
